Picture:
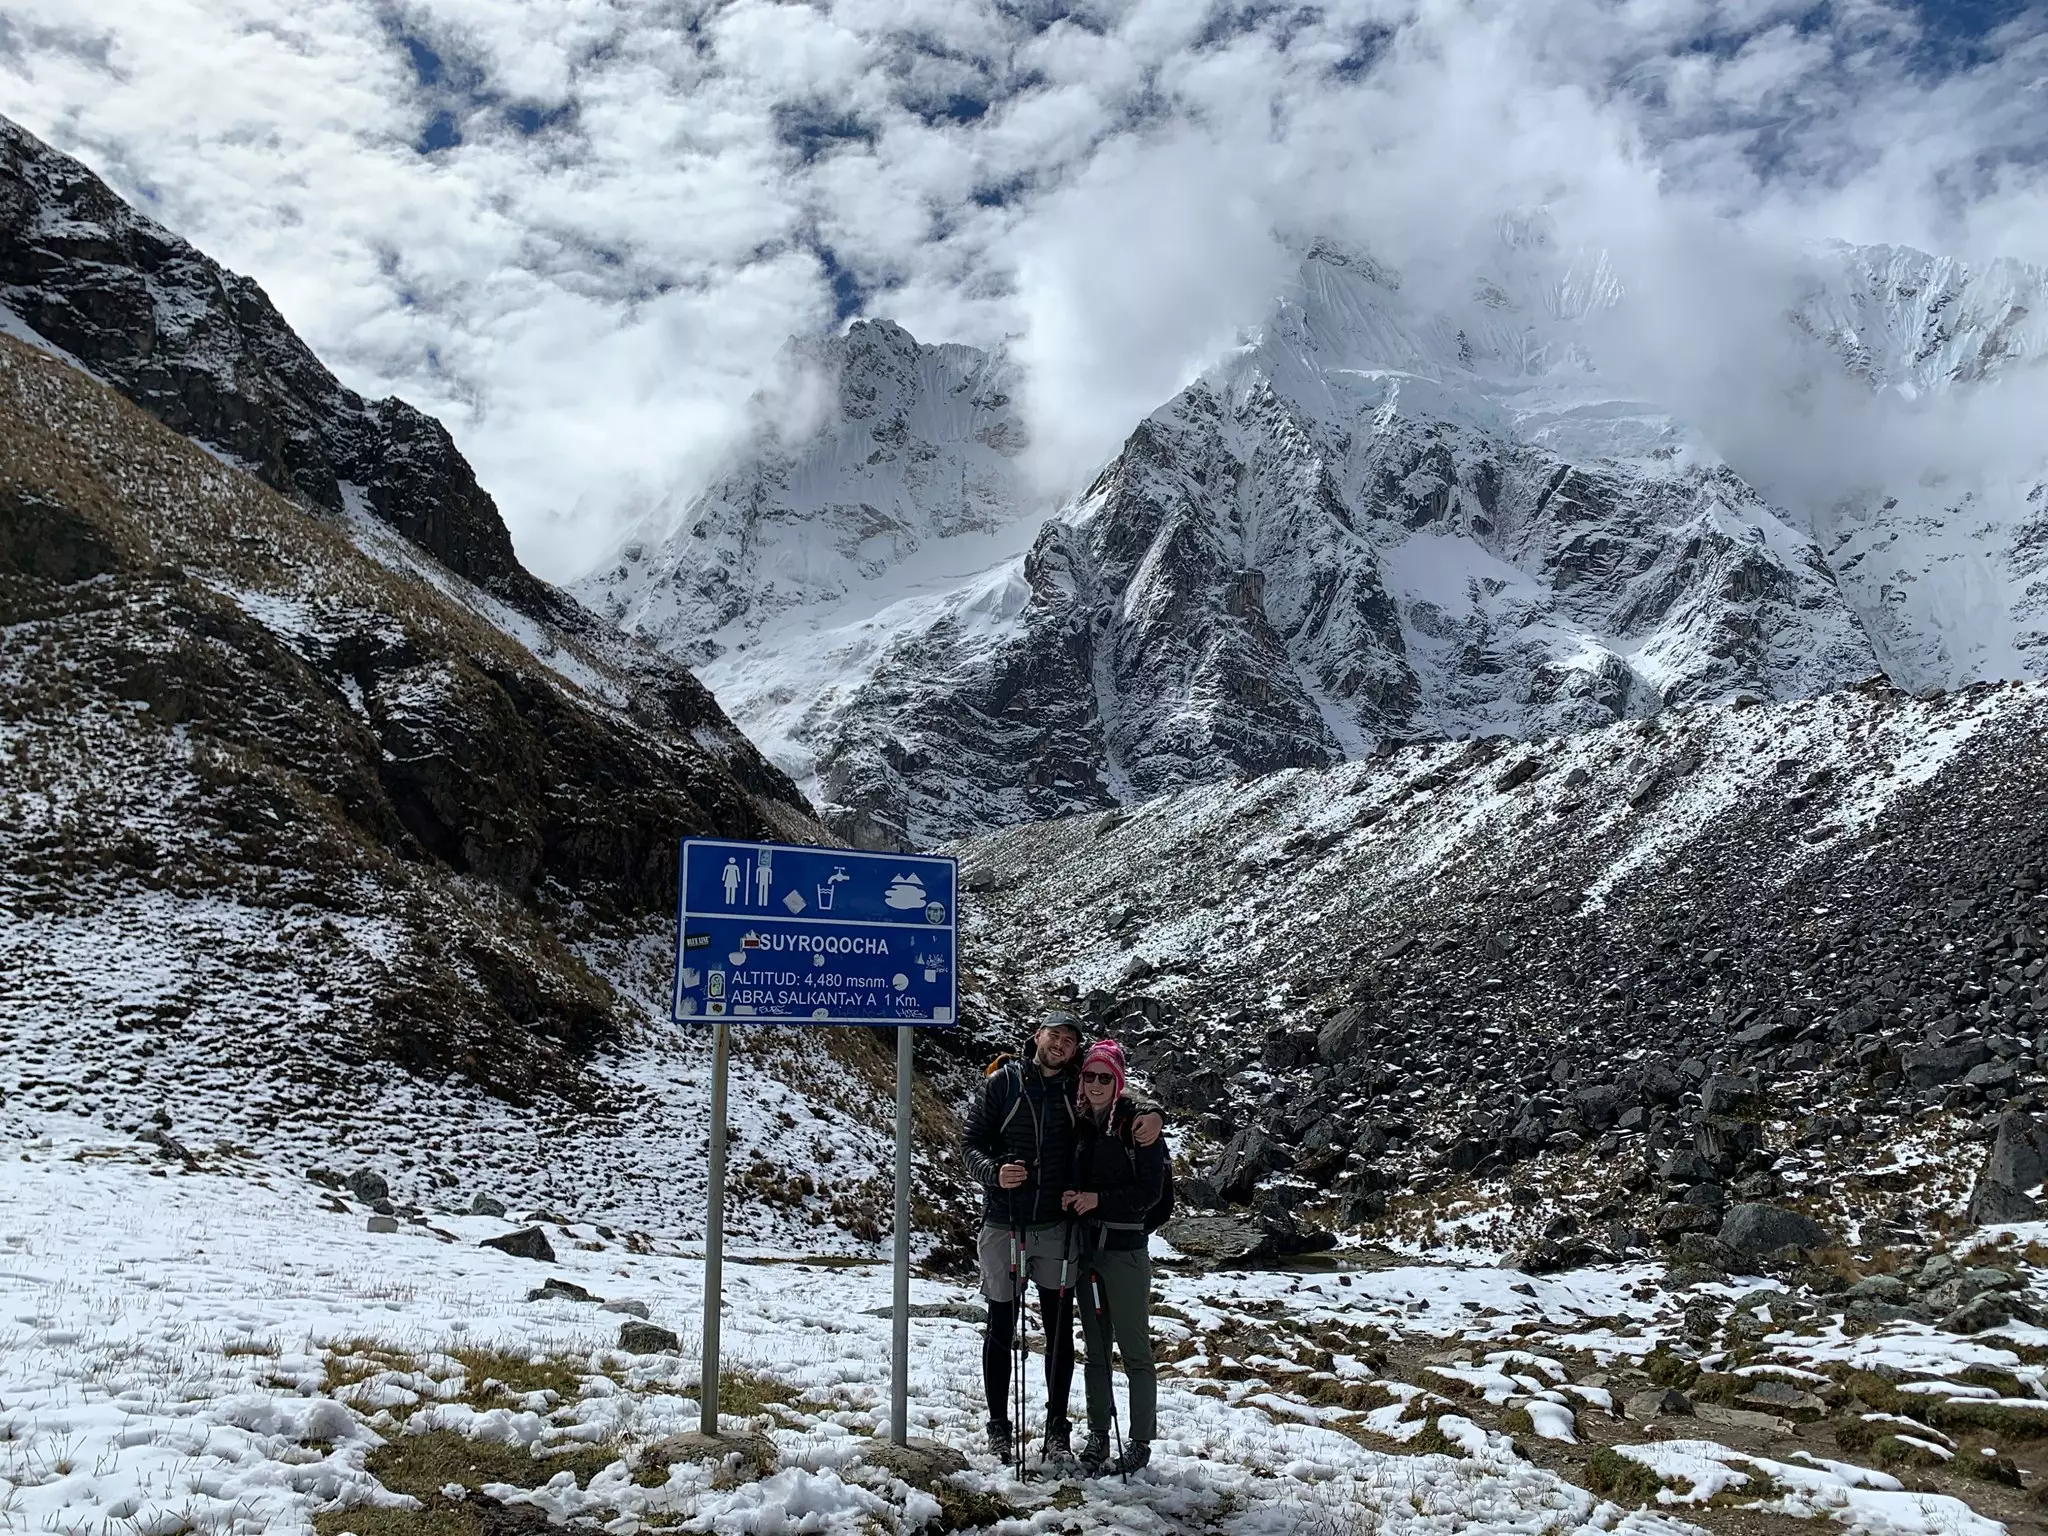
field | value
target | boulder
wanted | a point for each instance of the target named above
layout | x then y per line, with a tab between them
1702	1249
383	1223
1223	1239
1286	1049
1341	1036
1781	1398
1939	1268
560	1290
1886	1288
2016	1163
1602	1104
1988	1309
1549	1256
368	1186
1684	1168
1663	1402
638	1338
1755	1230
1935	1065
627	1308
1678	1218
1728	1095
526	1243
1249	1157
484	1205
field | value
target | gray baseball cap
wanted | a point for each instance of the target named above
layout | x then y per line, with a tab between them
1060	1018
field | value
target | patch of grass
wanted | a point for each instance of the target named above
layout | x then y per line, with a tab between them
422	1465
1856	1435
1717	1387
352	1360
1354	1395
2001	1419
244	1348
2004	1383
1433	1442
1876	1392
1891	1451
445	1519
1622	1478
746	1393
1516	1421
1666	1369
1759	1485
970	1509
1988	1465
491	1373
1451	1386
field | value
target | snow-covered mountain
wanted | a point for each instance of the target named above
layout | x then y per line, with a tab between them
1386	515
1940	549
875	449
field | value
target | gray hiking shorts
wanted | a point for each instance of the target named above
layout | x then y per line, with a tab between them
1044	1255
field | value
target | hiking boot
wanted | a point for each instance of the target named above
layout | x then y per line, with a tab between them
1135	1456
1095	1451
1001	1443
1058	1444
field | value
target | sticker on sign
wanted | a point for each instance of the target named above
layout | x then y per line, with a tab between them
779	933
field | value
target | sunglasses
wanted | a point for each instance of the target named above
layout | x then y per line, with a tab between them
1098	1077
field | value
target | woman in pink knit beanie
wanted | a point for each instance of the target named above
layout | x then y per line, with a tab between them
1117	1186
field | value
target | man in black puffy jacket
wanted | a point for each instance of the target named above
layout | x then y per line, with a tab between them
1019	1142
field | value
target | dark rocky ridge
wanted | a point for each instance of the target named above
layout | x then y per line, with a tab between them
1736	954
204	351
214	701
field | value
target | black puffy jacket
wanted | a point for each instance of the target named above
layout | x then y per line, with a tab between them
1022	1116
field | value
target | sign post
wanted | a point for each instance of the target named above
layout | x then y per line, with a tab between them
777	933
899	1312
714	1241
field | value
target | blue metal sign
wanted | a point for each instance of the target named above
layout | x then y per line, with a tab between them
783	934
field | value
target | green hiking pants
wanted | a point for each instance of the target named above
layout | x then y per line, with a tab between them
1116	1302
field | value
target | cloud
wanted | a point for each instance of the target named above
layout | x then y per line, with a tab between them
582	230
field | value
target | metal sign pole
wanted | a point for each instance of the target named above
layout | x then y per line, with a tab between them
714	1239
899	1369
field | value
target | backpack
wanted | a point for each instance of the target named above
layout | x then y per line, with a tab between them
1162	1208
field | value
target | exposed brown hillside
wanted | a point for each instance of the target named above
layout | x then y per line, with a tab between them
292	818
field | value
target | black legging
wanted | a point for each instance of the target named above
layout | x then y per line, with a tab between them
999	1343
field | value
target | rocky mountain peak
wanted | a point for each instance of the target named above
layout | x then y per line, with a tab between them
205	351
1918	324
875	452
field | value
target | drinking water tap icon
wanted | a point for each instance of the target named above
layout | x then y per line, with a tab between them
837	877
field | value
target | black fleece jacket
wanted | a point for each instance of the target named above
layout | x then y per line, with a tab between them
1126	1179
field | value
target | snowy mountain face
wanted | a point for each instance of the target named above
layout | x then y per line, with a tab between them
916	446
1380	519
1942	554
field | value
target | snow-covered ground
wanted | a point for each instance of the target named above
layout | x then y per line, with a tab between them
224	1351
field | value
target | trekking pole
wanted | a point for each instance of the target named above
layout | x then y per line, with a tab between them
1102	1319
1019	1275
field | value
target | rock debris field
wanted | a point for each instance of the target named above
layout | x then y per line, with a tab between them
186	1351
